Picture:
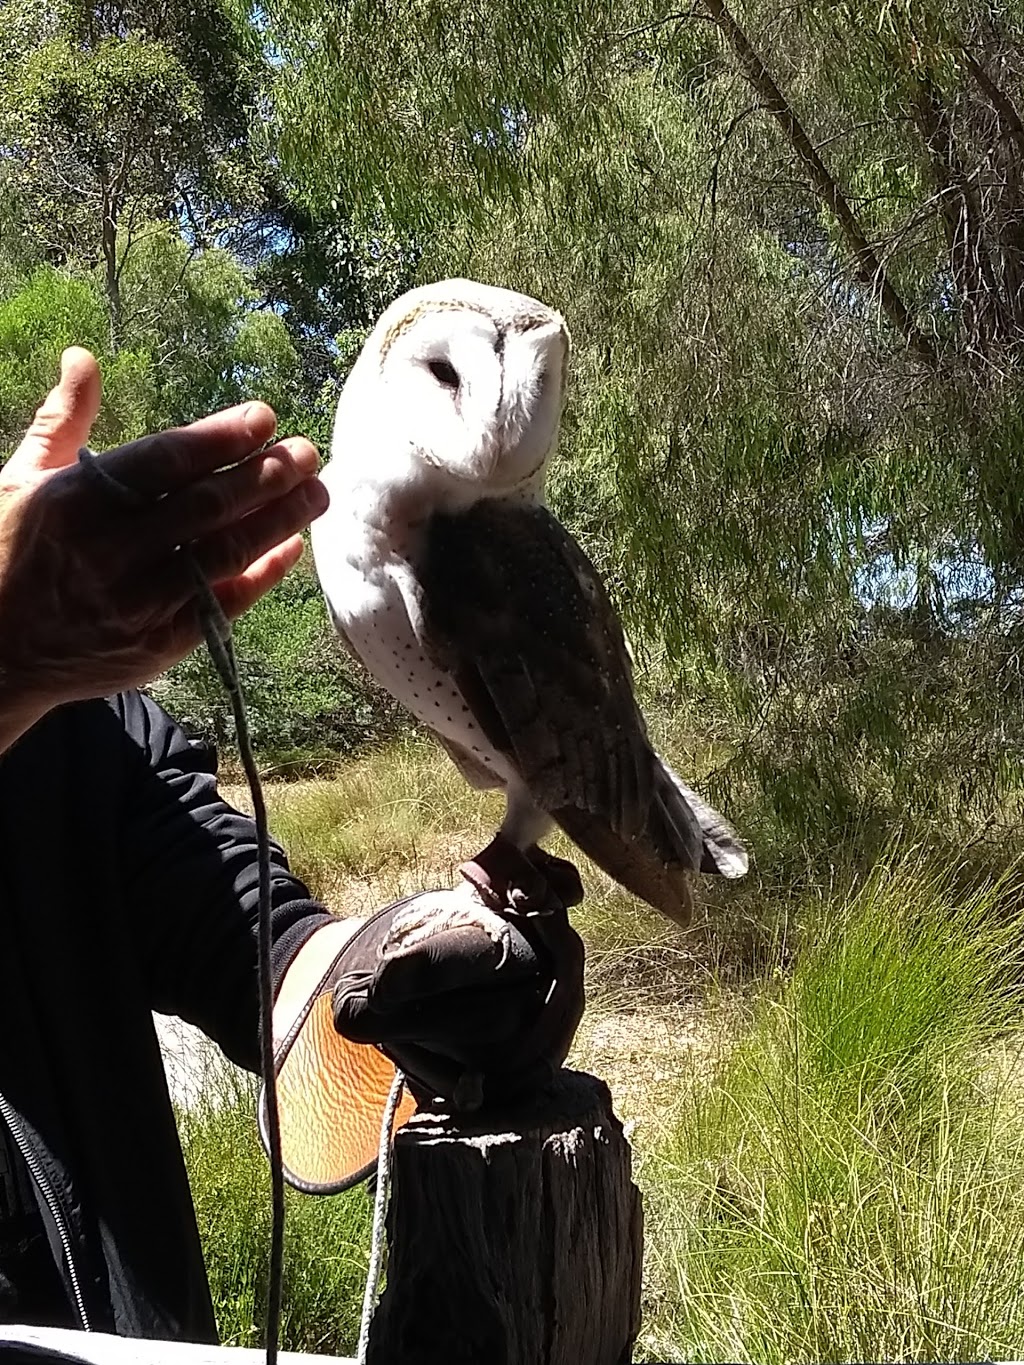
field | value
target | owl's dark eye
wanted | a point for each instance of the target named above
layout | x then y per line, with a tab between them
444	372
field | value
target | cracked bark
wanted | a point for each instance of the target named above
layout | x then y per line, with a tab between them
514	1238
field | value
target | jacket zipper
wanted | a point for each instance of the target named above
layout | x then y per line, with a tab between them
42	1180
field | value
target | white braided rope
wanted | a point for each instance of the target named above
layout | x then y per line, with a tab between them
380	1204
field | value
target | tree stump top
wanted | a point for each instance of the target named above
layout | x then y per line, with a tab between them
575	1096
515	1236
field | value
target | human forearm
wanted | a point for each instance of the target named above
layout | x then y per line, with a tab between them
191	859
18	713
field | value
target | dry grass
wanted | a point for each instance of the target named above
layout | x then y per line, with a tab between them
385	825
403	819
787	1218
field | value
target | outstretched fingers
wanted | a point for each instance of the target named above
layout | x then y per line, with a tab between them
226	554
225	498
236	595
172	460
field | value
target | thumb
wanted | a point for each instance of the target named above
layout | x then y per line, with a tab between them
62	424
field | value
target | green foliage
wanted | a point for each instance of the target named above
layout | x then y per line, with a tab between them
96	100
112	116
193	341
196	313
143	214
51	311
138	156
845	1184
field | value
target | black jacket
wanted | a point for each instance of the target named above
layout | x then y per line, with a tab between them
128	886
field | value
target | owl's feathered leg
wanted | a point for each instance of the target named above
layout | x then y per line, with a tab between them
506	879
512	873
522	881
525	824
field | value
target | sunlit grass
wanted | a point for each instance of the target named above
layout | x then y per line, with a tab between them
828	1141
849	1183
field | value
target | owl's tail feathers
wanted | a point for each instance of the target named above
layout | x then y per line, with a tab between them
681	835
721	851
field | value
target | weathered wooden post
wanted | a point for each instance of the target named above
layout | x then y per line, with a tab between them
515	1237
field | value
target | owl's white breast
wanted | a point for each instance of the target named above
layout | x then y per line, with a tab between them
365	561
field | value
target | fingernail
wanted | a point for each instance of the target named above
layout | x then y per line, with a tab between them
66	357
317	498
306	459
260	422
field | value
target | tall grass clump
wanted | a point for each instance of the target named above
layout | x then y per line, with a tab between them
326	1239
849	1183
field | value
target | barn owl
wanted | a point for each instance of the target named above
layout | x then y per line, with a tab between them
449	579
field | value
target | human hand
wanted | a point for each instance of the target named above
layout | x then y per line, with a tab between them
94	597
472	1005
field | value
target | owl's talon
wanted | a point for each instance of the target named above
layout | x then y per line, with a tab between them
531	883
507	880
480	880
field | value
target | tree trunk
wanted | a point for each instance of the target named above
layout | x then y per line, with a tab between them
870	269
111	278
515	1239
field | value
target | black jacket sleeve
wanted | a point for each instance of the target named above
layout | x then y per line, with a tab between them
190	875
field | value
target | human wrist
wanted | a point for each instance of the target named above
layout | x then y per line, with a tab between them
20	709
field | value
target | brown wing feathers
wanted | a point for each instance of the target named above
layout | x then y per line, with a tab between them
516	611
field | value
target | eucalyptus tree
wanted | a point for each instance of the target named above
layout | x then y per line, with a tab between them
144	214
116	115
140	156
788	243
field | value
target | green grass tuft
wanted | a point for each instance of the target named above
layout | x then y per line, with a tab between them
849	1183
326	1239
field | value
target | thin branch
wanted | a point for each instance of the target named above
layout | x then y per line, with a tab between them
157	313
190	213
129	238
711	186
677	17
846	132
964	220
998	98
869	267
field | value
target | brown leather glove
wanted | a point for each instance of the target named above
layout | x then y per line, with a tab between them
473	1004
475	994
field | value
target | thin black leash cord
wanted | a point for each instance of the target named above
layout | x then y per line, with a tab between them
217	632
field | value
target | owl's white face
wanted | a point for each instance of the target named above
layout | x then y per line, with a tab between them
467	383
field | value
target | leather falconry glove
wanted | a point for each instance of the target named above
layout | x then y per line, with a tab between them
472	999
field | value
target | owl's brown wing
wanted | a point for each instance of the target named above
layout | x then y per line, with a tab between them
518	616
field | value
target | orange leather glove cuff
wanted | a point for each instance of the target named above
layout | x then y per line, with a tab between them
331	1093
